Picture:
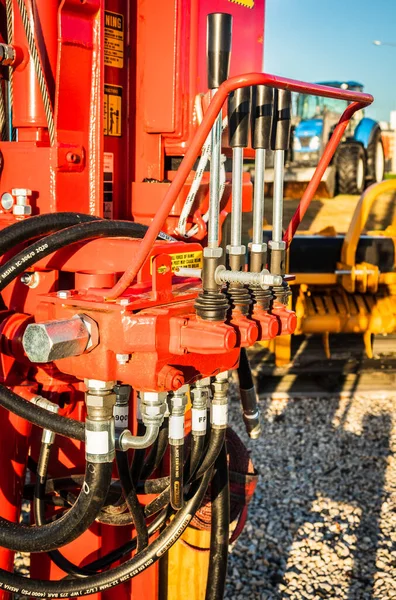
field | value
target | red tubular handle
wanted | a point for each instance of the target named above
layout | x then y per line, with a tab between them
358	99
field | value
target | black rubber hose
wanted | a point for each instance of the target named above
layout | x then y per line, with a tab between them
40	416
132	500
244	371
247	390
28	229
55	241
157	452
161	486
219	532
197	448
138	456
127	570
39	512
25	538
176	486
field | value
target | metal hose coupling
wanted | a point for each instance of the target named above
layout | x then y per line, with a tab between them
219	404
250	412
199	409
153	407
100	400
48	436
178	403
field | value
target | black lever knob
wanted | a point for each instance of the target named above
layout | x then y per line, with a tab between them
282	120
238	117
262	111
218	44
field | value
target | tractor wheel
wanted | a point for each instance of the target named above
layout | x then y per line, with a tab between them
351	169
375	158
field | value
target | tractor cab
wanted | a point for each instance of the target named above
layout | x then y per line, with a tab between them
316	117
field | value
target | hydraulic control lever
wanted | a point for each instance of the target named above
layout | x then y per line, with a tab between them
262	114
212	304
238	134
262	109
280	143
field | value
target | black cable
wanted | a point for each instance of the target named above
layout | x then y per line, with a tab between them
244	372
40	416
25	538
131	500
219	532
247	391
28	229
55	241
127	570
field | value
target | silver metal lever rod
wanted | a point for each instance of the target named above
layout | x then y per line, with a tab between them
236	214
258	198
277	215
214	183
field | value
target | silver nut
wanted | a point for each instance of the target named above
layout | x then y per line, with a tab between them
99	385
277	245
22	210
122	359
257	247
213	252
64	294
53	340
21	192
125	301
7	201
100	401
93	330
236	250
203	382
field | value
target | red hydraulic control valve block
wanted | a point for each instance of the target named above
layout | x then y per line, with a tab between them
268	325
287	318
202	337
247	330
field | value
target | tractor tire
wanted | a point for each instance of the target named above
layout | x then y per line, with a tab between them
351	169
375	158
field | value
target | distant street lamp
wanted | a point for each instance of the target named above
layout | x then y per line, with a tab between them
379	43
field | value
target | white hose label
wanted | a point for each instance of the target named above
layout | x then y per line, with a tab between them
198	419
219	414
176	427
96	442
121	414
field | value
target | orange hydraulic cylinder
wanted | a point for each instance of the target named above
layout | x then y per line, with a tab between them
28	108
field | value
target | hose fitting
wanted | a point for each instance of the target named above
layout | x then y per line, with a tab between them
219	405
199	409
100	400
121	408
48	436
153	407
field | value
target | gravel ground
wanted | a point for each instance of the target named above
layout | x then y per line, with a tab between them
322	523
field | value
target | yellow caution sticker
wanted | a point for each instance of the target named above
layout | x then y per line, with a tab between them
245	3
112	110
192	260
114	40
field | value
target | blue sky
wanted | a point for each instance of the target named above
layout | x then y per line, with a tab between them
318	40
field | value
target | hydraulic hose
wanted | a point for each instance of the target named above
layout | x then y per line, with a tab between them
157	452
25	538
250	411
131	500
219	533
55	241
39	511
40	416
127	570
27	230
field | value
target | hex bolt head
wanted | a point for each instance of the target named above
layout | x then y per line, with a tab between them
53	340
122	359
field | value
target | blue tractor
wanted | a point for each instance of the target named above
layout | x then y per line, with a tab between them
359	160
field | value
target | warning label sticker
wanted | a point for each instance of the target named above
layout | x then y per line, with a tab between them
112	110
192	260
114	40
108	182
246	3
